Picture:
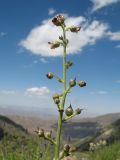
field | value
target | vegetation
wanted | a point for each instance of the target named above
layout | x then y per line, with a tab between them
17	144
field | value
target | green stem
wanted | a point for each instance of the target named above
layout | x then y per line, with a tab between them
58	136
51	140
68	118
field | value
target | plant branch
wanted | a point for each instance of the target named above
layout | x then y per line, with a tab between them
68	118
51	140
58	136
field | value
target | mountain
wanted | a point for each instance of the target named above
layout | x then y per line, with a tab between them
8	127
14	137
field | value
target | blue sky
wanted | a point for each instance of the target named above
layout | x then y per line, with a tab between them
25	57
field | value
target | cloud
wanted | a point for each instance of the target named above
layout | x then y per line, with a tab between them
114	36
98	4
38	38
3	34
118	81
35	61
102	92
43	60
7	92
37	91
118	46
51	11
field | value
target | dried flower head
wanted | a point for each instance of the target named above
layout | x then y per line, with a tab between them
82	83
72	82
75	29
50	75
58	20
57	101
78	111
69	64
48	134
54	45
69	111
66	147
40	132
55	96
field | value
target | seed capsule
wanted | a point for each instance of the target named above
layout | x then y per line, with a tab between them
66	147
75	29
41	133
57	101
50	75
72	82
58	20
78	111
69	111
69	64
61	37
56	96
60	80
82	83
48	134
54	45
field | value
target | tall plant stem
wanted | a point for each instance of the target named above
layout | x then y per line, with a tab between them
59	128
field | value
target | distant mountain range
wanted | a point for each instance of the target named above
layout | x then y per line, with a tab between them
77	131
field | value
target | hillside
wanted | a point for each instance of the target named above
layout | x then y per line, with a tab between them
79	133
49	122
14	137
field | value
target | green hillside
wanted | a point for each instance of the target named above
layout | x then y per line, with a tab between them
17	144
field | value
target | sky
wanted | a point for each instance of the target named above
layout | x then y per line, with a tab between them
26	58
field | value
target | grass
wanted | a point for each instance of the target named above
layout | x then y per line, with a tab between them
111	152
36	152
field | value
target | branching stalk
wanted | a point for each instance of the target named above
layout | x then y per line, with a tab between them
68	118
58	137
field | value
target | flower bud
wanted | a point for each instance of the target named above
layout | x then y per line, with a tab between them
41	133
56	100
78	111
50	75
60	80
58	20
72	82
69	111
66	147
61	38
75	29
48	134
54	45
55	96
82	83
69	64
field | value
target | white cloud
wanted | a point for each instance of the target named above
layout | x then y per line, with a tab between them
114	36
37	91
2	34
43	60
97	4
20	50
102	92
7	92
51	11
38	38
118	46
35	61
118	81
